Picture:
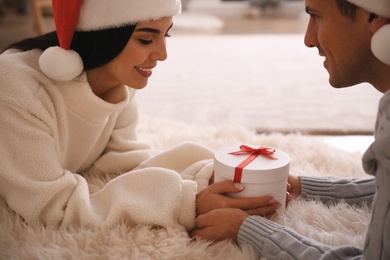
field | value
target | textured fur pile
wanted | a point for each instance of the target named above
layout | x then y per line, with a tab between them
334	225
100	14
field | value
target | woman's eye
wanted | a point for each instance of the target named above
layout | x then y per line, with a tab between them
145	42
148	42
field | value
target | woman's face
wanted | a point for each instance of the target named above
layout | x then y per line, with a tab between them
134	65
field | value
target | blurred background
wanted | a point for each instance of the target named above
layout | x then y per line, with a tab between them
236	62
28	18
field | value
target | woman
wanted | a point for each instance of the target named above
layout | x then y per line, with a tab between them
68	112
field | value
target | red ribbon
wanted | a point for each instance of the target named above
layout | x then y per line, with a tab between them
254	153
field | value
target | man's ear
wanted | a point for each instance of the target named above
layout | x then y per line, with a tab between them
376	22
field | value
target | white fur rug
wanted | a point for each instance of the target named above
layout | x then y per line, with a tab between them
336	225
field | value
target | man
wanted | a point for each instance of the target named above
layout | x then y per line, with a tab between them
354	38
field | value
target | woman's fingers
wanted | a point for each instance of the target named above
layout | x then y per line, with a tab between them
226	186
241	203
214	197
250	203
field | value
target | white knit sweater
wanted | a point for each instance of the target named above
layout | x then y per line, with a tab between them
53	133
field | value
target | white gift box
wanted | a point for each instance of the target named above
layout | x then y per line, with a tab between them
266	175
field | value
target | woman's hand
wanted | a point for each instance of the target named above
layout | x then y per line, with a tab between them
213	197
219	224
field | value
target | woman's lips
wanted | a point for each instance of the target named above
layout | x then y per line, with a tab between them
145	72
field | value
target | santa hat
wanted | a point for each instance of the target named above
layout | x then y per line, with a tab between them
380	42
63	64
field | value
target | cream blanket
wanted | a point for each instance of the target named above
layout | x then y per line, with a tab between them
335	225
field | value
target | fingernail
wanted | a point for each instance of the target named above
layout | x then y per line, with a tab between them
279	206
272	201
239	186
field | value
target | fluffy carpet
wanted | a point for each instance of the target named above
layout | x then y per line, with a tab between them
265	82
334	225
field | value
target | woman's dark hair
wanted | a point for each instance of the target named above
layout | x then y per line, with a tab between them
41	42
95	48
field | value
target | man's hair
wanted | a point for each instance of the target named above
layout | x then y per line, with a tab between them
347	9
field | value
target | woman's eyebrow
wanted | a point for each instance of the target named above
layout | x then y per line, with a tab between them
152	30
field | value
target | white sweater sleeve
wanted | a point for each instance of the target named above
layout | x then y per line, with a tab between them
47	145
191	160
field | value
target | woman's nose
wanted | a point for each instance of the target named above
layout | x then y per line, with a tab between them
160	53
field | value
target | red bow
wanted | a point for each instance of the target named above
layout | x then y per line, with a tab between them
254	153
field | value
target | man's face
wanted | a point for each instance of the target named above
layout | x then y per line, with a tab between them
345	43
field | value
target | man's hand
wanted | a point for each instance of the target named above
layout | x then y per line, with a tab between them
219	224
294	186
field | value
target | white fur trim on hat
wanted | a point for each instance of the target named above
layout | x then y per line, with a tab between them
60	64
101	14
379	7
380	44
380	41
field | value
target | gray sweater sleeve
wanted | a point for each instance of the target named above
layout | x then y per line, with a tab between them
354	191
273	241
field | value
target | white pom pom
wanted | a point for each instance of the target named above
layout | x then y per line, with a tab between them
60	64
380	44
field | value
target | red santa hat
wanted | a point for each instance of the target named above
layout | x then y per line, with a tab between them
63	64
380	42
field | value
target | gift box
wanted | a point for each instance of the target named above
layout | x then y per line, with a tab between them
263	171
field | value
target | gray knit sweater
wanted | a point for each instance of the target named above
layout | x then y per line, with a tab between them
273	241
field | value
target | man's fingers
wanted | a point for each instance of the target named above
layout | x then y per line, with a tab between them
265	211
219	224
205	233
203	221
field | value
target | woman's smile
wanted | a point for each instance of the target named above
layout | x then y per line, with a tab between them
145	72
